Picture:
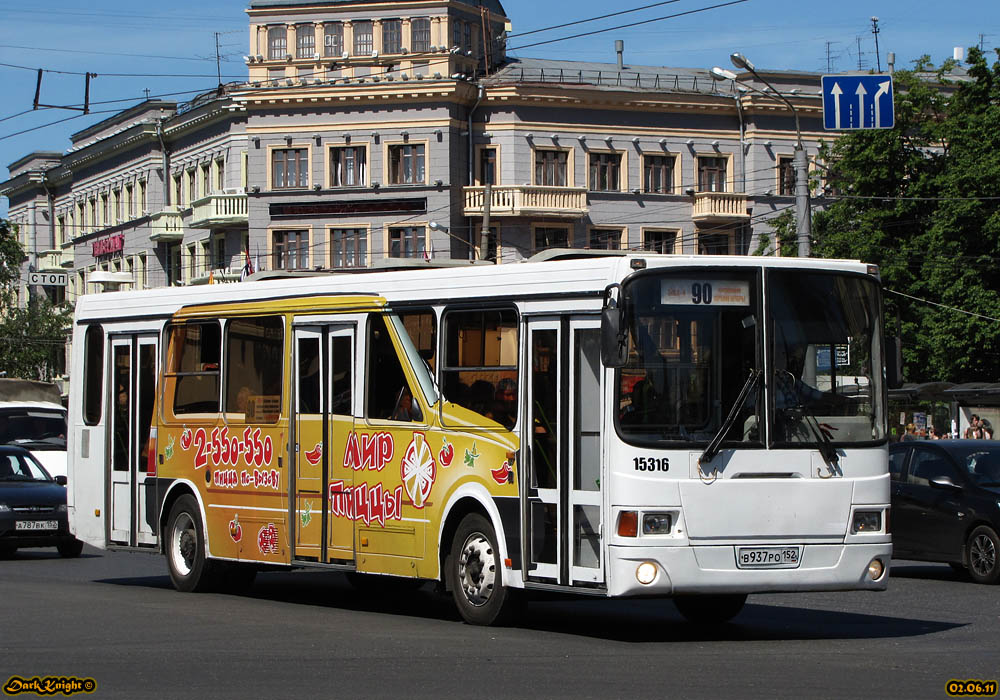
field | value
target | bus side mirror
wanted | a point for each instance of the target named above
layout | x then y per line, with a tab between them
613	344
894	362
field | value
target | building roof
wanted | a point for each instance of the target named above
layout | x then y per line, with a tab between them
491	5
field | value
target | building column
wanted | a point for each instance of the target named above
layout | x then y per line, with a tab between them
377	36
290	39
436	39
320	40
348	37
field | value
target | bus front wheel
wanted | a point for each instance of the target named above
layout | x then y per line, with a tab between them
474	574
710	609
190	569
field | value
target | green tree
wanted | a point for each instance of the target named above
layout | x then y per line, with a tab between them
921	201
785	235
33	336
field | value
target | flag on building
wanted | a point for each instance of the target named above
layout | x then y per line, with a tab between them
247	266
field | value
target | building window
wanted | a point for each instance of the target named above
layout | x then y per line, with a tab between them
488	166
605	170
713	244
348	247
711	174
116	203
142	197
290	250
206	179
406	164
275	75
420	67
550	168
192	262
392	35
347	166
605	239
420	35
363	41
551	237
141	279
220	175
218	251
407	242
658	174
277	43
333	39
305	41
468	36
130	201
289	168
456	33
104	210
173	264
786	177
192	192
659	241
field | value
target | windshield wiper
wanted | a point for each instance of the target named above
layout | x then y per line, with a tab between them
713	447
824	443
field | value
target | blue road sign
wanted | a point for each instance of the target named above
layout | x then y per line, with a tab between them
858	102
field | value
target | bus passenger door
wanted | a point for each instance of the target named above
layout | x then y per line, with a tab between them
130	413
563	528
324	377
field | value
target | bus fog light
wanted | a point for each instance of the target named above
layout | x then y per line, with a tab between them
875	569
656	523
646	573
867	521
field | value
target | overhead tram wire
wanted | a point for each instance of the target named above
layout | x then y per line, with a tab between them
592	19
626	26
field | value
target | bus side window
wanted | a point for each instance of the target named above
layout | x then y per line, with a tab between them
388	394
192	371
479	367
255	353
93	373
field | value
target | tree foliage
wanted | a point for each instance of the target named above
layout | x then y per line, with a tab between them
922	201
33	336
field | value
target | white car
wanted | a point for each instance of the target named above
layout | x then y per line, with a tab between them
38	426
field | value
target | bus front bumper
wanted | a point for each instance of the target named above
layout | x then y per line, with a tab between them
713	570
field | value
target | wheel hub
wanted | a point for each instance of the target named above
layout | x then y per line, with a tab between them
983	555
476	570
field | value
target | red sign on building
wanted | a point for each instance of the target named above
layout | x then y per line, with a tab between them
108	246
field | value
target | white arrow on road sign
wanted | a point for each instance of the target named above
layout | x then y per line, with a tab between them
836	92
861	92
883	88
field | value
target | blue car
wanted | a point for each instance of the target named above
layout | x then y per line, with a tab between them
32	506
946	504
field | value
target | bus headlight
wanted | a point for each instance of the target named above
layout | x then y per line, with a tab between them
866	521
645	573
656	523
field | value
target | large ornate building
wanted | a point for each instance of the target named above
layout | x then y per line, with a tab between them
368	131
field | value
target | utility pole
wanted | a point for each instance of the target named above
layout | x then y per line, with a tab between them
875	30
829	64
218	59
484	236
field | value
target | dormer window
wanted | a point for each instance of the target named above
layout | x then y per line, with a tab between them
392	35
277	43
333	39
363	41
305	41
420	30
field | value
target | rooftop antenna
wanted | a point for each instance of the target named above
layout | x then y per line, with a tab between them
875	31
218	59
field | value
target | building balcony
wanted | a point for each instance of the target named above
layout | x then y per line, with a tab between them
51	261
225	209
720	207
527	200
166	225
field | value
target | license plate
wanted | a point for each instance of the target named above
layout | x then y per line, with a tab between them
37	525
768	557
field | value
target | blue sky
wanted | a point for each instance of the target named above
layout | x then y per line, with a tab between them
173	51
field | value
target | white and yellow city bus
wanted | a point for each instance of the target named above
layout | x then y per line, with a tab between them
698	428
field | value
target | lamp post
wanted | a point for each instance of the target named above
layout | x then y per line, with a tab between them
800	163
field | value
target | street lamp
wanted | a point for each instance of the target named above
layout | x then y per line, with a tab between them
800	163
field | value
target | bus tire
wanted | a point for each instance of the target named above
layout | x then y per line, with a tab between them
710	609
190	569
474	574
983	552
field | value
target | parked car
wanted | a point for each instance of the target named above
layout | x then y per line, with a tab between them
32	506
946	504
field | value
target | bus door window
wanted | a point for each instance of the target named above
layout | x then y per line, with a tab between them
544	443
123	391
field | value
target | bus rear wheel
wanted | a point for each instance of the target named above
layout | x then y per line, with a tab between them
710	609
190	569
474	574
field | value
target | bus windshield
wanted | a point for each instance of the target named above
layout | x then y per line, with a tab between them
826	378
693	344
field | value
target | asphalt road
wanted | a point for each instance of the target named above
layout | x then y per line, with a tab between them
115	617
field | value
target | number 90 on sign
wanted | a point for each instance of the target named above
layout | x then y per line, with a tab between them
48	279
705	292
